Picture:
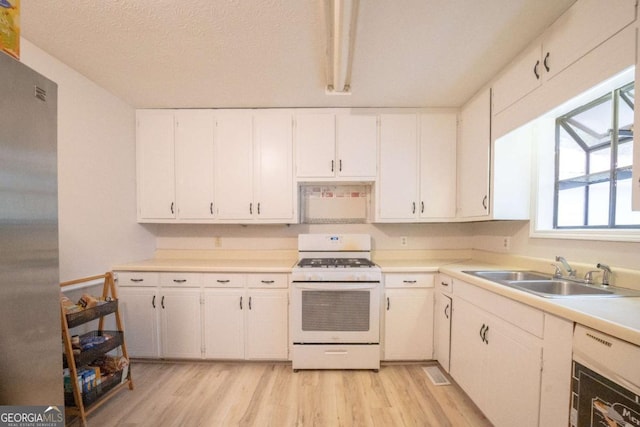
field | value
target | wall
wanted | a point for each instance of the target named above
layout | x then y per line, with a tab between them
616	254
96	173
384	236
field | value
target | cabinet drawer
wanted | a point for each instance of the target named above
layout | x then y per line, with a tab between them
444	283
409	280
268	280
189	280
136	278
224	280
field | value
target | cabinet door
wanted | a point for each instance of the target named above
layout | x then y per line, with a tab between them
267	324
438	165
194	163
181	324
581	28
474	156
356	141
513	366
520	78
442	319
224	323
468	352
398	175
140	317
273	144
234	165
408	324
315	145
155	162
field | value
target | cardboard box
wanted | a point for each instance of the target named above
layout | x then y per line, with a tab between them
10	27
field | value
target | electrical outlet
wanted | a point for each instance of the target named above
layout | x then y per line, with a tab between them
217	242
403	241
506	243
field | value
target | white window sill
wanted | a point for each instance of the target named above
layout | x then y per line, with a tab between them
629	235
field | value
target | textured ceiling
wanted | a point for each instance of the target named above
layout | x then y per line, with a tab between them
270	53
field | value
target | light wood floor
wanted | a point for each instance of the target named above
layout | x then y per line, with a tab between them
270	394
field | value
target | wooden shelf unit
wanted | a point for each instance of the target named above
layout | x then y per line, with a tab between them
109	388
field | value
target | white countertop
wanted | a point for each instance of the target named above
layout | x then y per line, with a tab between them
619	317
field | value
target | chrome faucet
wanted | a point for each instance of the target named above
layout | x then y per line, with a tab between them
606	273
570	271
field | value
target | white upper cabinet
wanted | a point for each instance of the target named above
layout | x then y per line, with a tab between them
579	31
315	145
335	146
194	163
438	166
155	165
473	157
356	141
274	191
254	167
234	165
397	187
417	179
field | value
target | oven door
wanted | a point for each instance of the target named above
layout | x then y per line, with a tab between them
335	312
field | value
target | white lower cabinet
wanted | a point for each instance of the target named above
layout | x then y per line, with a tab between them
180	323
498	352
140	318
408	316
442	320
224	323
242	324
212	316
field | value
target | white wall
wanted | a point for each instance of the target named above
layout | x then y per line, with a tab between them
96	173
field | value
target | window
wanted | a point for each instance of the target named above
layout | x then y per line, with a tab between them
593	161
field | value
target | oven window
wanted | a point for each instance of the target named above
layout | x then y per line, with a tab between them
342	310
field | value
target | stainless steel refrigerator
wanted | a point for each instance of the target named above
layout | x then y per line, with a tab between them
30	336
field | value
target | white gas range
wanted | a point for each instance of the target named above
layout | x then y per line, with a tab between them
335	303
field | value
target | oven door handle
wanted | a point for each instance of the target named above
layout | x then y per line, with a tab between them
335	286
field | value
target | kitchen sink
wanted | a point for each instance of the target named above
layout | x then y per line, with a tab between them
509	275
556	287
545	285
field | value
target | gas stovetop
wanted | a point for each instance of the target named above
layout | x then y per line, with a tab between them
335	263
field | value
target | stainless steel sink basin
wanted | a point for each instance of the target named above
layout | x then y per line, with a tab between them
510	275
545	285
554	287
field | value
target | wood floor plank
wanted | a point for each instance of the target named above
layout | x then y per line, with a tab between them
262	394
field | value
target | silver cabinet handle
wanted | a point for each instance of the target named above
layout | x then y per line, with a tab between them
258	208
409	281
211	208
388	303
535	70
240	303
444	283
179	280
267	282
172	203
413	209
250	208
162	302
332	164
340	166
137	280
249	303
445	311
223	281
421	207
153	302
484	202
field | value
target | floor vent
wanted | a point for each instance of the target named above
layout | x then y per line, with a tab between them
435	375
